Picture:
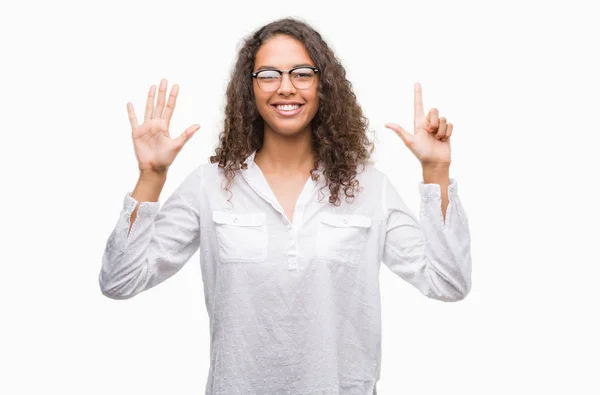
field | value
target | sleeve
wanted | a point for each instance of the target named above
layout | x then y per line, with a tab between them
159	244
433	256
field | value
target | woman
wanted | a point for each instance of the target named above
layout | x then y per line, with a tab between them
291	279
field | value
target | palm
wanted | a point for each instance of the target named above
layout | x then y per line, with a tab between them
154	148
426	147
430	142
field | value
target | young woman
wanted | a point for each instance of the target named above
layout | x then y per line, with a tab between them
292	222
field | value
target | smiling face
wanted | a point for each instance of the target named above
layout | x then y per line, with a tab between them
284	53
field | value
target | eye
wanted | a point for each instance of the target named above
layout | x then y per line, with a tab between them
303	73
268	75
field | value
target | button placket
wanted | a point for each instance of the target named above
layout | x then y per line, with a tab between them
292	252
294	229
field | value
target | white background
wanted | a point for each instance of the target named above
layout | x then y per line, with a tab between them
519	81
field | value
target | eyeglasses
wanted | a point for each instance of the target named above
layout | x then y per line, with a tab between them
302	77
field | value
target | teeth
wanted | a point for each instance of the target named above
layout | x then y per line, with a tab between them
288	107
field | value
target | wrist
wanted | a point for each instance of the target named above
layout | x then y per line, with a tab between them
432	167
154	176
436	174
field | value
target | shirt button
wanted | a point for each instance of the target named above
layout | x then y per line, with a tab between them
234	219
345	221
451	189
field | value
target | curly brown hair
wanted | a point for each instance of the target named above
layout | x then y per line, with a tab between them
340	141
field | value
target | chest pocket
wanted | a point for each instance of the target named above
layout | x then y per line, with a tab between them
242	237
341	237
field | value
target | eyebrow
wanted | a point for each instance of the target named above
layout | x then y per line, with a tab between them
273	67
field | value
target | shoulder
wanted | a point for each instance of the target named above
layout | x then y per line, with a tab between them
371	182
209	172
370	176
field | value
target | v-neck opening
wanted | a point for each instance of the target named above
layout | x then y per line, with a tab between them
299	204
263	188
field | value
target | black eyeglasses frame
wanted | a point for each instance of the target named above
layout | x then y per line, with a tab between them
316	70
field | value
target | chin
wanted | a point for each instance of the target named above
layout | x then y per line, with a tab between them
288	130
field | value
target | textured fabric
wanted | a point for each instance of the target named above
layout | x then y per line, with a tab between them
294	307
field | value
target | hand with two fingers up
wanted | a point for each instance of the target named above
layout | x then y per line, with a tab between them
154	148
430	142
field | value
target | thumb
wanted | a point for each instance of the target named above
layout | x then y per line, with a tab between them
406	137
185	136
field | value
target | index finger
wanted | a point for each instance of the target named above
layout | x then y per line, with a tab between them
419	113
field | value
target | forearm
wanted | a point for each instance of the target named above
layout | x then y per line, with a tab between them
431	253
147	189
439	174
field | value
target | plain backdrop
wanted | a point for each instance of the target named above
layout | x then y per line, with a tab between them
518	79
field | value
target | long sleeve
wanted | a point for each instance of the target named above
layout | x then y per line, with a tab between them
433	255
159	244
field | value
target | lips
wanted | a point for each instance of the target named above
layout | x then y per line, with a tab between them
284	110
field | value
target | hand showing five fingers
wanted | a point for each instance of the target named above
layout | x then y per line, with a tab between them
430	142
154	148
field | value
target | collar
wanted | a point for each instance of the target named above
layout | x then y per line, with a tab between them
250	162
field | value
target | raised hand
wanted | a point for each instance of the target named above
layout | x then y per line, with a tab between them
154	148
430	142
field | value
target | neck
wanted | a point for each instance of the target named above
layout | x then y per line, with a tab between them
286	153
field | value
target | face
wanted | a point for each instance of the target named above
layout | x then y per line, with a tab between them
284	53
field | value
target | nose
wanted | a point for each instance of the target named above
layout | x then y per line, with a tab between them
286	87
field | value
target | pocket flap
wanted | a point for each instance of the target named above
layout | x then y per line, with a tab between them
227	218
345	220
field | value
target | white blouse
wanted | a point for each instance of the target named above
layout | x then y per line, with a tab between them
294	306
